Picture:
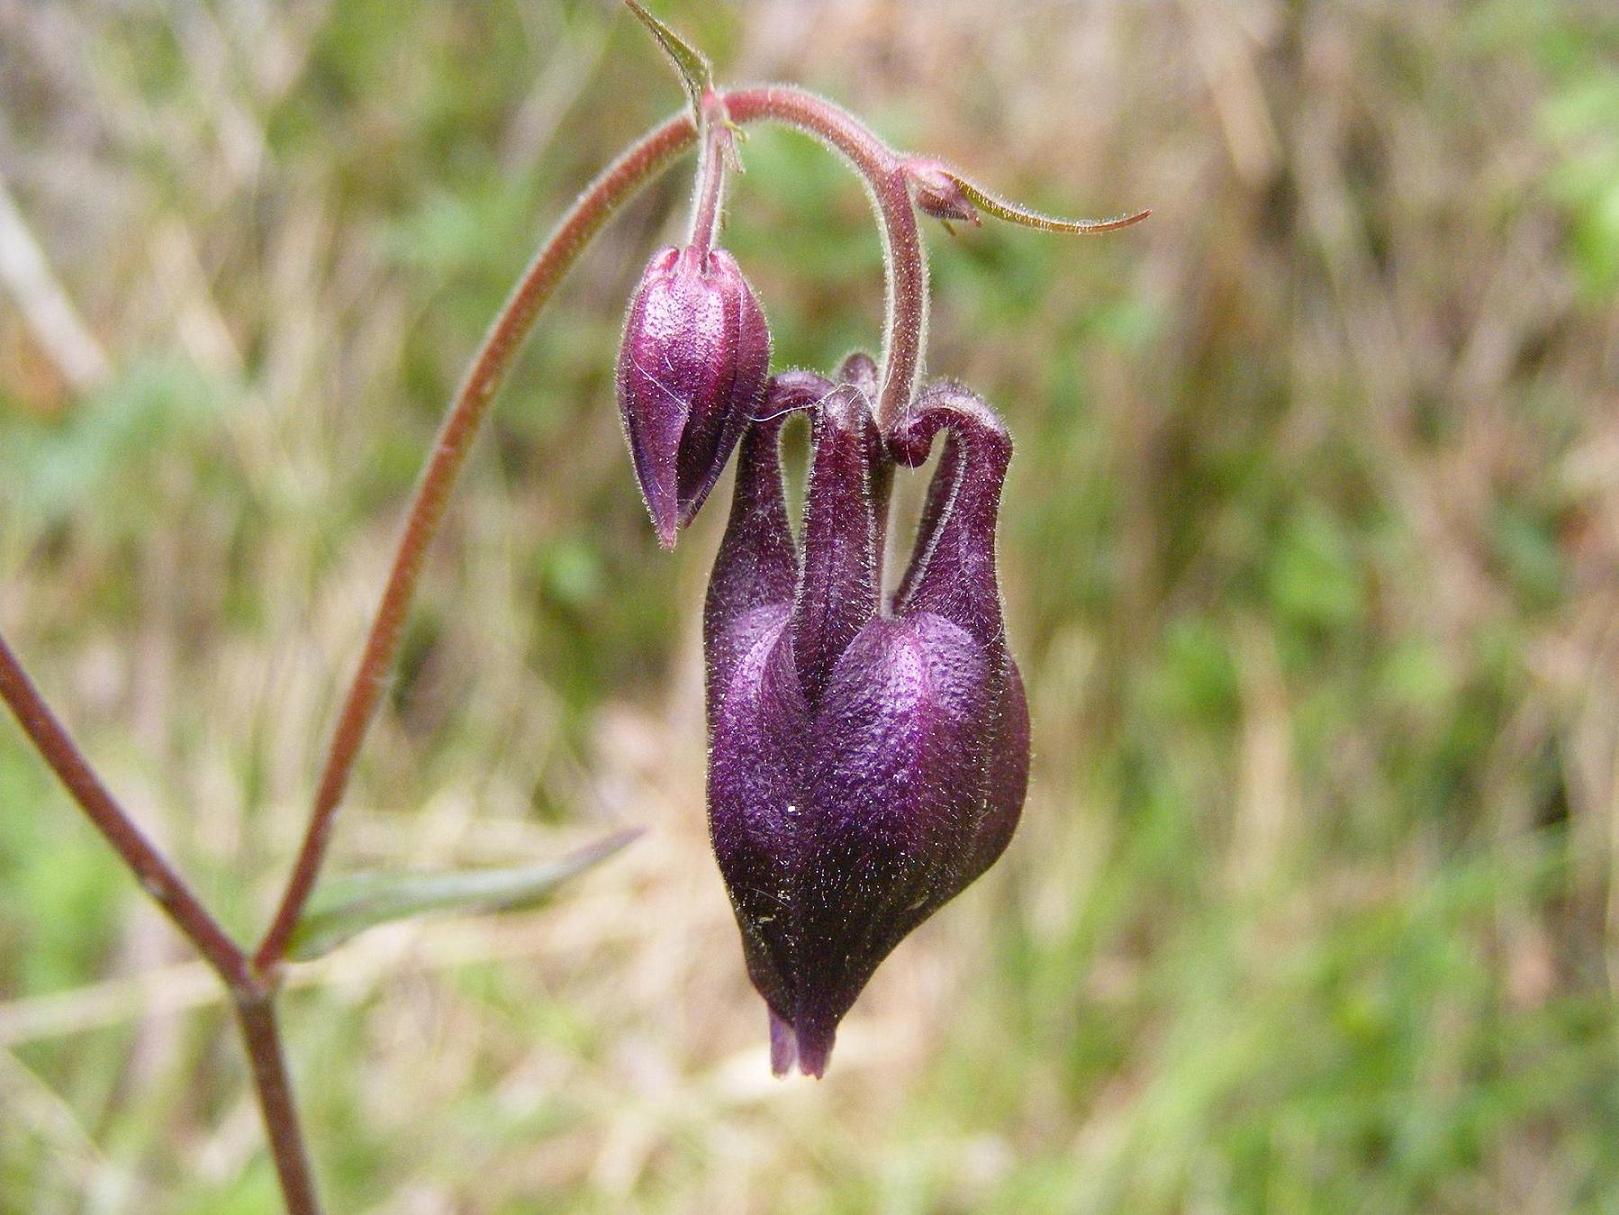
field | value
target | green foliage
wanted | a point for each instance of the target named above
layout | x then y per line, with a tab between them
343	907
99	461
57	921
1308	547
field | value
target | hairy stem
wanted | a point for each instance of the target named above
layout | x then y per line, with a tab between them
906	313
252	980
637	166
711	166
903	335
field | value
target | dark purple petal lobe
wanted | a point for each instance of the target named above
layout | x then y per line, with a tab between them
756	569
1008	778
896	779
760	735
953	570
837	588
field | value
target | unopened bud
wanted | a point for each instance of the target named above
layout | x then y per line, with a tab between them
691	370
938	192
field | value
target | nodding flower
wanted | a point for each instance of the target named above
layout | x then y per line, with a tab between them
868	759
691	371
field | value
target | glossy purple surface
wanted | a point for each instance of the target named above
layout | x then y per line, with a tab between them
691	372
865	764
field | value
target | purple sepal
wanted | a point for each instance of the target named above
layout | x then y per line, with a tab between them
865	765
691	371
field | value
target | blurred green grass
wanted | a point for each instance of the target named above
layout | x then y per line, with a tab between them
1309	550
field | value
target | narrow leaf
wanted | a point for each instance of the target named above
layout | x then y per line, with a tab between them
1015	213
348	905
695	72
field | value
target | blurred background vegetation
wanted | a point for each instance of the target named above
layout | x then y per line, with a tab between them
1311	550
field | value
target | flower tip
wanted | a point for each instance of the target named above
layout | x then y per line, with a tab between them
808	1045
813	1058
663	510
783	1046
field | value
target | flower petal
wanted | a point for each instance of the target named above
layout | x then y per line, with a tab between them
896	790
837	584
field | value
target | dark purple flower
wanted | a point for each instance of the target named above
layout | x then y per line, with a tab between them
691	370
866	764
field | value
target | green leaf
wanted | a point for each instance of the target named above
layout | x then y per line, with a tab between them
691	63
1017	213
348	905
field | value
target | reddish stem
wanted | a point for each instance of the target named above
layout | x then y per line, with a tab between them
567	240
906	313
250	995
151	868
252	980
711	167
904	330
261	1033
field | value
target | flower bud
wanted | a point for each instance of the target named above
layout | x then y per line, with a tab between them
938	191
865	766
691	371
